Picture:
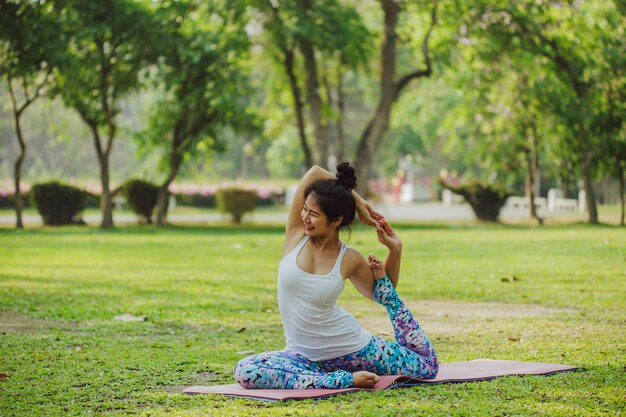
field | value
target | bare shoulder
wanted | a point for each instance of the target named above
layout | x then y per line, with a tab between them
352	260
292	238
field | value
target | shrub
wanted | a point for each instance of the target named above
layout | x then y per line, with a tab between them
486	200
57	203
91	200
236	201
141	197
269	198
6	200
196	200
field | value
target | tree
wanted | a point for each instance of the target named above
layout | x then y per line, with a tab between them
390	86
110	44
569	39
29	50
203	82
314	44
505	110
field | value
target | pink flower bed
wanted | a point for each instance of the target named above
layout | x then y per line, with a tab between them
263	191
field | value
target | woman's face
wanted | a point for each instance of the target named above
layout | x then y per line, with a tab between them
314	220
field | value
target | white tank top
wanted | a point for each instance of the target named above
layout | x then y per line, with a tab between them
315	326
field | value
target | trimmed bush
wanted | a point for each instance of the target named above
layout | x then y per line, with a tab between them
196	200
58	204
141	197
271	199
236	201
486	200
6	200
91	200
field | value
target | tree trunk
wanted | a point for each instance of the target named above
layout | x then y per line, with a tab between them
330	124
341	137
315	104
530	185
372	135
298	107
163	194
390	89
17	114
531	176
620	172
106	200
589	191
19	204
161	205
313	98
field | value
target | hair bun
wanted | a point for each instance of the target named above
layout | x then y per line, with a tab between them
345	175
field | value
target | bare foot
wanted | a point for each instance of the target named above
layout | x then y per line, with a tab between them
364	379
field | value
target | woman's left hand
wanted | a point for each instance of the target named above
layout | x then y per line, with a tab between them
367	215
387	236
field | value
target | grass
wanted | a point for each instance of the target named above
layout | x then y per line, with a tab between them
210	292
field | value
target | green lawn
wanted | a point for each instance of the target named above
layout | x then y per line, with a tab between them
555	294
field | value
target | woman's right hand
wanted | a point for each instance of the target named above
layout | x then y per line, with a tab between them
387	236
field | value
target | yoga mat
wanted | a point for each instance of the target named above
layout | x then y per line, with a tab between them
476	370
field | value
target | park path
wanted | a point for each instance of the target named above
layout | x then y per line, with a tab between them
418	212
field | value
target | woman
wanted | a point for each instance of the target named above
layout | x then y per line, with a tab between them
325	345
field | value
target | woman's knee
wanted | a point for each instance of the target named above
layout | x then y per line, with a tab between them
243	371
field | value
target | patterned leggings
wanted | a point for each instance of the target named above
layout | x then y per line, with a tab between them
412	355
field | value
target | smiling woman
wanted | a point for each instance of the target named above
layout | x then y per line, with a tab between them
325	345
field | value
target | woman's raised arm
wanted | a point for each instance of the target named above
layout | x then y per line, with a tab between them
294	231
391	240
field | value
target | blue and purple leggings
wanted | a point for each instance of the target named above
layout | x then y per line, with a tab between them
412	355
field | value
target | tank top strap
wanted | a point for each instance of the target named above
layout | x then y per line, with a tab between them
342	252
300	245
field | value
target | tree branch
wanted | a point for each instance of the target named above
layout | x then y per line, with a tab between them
425	72
557	57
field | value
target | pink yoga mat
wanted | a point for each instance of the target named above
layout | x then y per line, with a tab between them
476	370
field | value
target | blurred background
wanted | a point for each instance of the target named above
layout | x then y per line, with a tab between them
514	107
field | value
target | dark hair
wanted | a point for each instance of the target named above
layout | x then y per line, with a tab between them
334	196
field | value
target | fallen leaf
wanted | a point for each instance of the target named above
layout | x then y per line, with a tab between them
241	330
3	377
245	352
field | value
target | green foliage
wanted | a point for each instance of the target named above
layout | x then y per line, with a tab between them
202	79
58	204
196	200
486	200
575	51
141	197
236	202
110	43
30	41
8	200
91	200
337	30
316	46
